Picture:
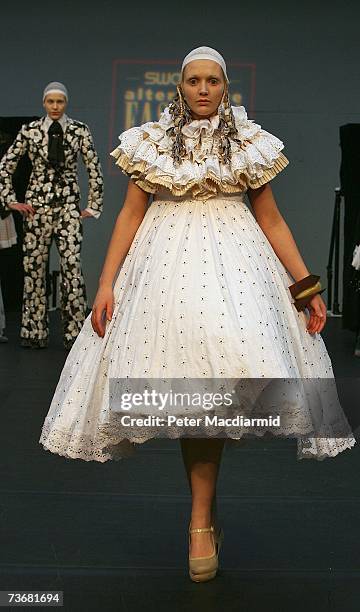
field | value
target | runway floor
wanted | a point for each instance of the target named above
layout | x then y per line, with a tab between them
113	536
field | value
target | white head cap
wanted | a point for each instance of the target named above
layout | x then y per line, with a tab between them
201	53
55	87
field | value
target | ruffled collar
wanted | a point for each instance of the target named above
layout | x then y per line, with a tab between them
198	127
199	138
145	154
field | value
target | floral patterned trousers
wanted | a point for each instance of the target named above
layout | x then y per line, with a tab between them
62	222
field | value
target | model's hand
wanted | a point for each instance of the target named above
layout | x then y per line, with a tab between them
25	209
86	213
102	310
317	310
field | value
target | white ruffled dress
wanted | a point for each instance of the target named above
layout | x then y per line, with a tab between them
200	294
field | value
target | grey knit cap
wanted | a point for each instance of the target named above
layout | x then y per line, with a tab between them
55	87
205	53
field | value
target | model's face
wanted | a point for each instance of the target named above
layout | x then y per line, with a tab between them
203	85
55	105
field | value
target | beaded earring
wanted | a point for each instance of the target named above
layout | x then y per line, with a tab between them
227	128
181	114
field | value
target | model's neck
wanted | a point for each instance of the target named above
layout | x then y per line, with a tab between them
195	116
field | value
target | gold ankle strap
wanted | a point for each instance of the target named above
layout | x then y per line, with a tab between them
201	529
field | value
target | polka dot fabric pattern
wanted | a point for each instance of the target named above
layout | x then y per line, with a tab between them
201	294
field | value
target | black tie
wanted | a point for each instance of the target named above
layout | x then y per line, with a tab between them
56	148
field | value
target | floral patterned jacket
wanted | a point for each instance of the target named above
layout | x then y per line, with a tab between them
47	184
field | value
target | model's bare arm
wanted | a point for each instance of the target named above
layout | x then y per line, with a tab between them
281	239
277	231
126	226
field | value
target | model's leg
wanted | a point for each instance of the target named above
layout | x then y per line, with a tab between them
68	236
202	460
36	243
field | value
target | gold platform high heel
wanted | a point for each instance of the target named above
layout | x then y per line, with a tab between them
202	569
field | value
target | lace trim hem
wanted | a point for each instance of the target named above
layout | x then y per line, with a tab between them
322	448
108	445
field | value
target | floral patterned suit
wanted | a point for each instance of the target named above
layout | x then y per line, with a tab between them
55	196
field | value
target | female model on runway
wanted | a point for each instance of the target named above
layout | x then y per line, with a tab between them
193	286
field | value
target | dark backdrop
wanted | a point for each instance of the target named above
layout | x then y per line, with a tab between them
306	85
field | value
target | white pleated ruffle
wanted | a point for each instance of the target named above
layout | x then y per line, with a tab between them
144	154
